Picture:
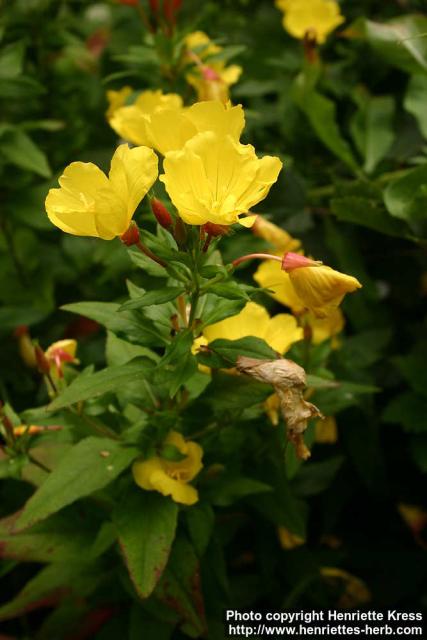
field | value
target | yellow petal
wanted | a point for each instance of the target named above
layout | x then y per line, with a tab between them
179	491
133	172
251	321
217	117
319	17
216	179
270	276
117	99
68	345
280	239
247	221
326	328
289	540
142	471
321	288
282	331
326	430
130	123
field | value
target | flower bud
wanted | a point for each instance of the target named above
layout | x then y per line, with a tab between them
296	261
25	345
161	214
43	364
215	229
131	236
180	233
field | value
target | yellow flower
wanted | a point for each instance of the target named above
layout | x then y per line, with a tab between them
216	179
320	288
171	478
117	99
132	122
168	129
289	540
280	239
326	430
326	328
414	517
269	275
60	352
279	332
210	78
91	204
355	592
272	408
315	17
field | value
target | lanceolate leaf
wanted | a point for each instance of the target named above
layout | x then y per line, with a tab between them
109	379
146	524
89	466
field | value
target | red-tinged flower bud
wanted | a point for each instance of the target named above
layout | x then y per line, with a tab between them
97	42
131	236
180	233
43	364
293	261
210	74
161	214
216	230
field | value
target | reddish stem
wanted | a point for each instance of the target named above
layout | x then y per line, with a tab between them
259	256
146	251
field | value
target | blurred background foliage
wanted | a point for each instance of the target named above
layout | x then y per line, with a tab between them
352	131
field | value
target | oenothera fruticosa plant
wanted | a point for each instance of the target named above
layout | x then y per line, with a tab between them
190	356
213	181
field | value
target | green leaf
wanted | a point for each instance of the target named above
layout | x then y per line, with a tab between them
406	198
180	584
146	524
401	41
55	540
11	60
17	148
213	312
372	129
321	113
49	585
315	477
230	488
109	379
106	314
416	100
229	290
409	410
368	213
87	467
200	523
120	351
224	353
158	296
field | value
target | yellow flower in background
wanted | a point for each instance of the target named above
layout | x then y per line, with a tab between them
326	431
320	288
272	409
59	353
88	203
326	328
280	239
269	275
216	179
171	478
318	18
210	78
289	540
414	517
279	331
354	593
130	122
169	130
117	99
